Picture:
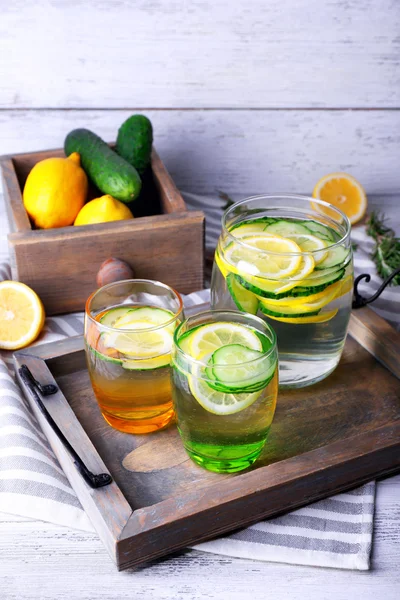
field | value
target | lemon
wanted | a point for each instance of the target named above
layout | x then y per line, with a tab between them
212	336
220	403
310	243
55	191
21	315
103	209
267	256
344	192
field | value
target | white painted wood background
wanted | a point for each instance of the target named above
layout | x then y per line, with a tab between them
246	96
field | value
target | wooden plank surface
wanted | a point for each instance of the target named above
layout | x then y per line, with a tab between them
286	53
241	152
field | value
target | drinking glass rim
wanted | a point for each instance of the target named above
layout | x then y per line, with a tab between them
309	199
196	361
89	315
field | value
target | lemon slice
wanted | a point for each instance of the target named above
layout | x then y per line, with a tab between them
141	344
279	287
327	316
210	337
305	303
144	316
311	243
344	192
21	315
262	256
220	403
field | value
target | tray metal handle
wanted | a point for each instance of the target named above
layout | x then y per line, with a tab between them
94	481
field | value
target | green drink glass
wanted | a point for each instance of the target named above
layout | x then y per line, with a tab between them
224	388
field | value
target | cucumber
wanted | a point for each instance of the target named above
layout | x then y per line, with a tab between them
248	229
286	311
232	369
336	256
260	220
113	314
245	301
287	228
134	142
314	283
321	231
109	172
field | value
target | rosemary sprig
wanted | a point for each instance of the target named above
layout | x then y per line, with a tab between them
227	198
386	254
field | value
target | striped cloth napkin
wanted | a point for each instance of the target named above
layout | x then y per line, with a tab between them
336	532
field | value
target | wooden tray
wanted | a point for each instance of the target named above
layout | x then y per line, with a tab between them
325	439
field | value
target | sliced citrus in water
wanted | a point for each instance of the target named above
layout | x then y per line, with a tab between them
147	315
311	243
142	341
208	338
21	315
268	256
344	192
220	403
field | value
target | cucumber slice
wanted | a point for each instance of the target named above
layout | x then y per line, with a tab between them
313	285
321	231
267	289
113	314
287	228
252	228
261	220
245	300
335	257
286	311
235	368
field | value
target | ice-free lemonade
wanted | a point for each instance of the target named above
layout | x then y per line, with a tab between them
128	356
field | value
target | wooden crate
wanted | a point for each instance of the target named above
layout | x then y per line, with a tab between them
61	264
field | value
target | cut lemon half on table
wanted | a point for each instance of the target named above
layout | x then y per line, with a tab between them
210	337
267	256
344	192
21	315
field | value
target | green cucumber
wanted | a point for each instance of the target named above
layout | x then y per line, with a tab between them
259	221
335	258
287	313
113	314
245	301
134	142
319	230
311	285
287	228
236	369
109	172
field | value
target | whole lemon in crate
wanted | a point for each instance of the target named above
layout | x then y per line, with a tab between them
55	191
103	209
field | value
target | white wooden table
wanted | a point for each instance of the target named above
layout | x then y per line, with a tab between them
245	97
41	561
